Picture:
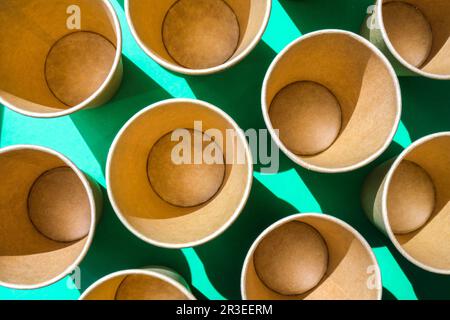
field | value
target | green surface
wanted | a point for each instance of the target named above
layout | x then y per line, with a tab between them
213	269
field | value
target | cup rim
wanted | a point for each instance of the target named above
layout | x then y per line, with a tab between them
145	272
294	217
394	52
106	82
384	211
275	137
195	72
93	213
230	220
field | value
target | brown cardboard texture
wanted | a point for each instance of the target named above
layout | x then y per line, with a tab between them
198	36
358	127
292	259
145	212
48	214
137	285
173	182
427	245
351	270
308	116
58	57
414	34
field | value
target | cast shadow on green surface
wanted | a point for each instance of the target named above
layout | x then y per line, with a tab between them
237	91
99	126
325	14
115	248
426	106
224	257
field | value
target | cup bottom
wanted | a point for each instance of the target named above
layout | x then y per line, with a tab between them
292	259
77	65
308	116
201	34
58	206
179	172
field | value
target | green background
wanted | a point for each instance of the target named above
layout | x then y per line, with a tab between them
213	269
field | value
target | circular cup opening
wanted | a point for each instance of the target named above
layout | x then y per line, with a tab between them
423	173
328	260
60	65
417	32
198	36
334	82
48	215
166	192
152	284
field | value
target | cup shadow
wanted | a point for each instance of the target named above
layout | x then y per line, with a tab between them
224	257
99	126
237	91
426	106
2	110
115	248
323	14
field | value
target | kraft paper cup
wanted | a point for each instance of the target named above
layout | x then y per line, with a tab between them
58	57
325	253
48	214
141	284
198	37
351	101
427	243
138	200
413	34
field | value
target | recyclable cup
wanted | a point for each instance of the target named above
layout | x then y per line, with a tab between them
310	257
413	34
198	37
58	57
167	192
48	213
331	101
140	284
408	199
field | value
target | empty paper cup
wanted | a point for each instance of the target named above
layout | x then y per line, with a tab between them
198	36
408	199
310	257
179	202
48	213
413	34
58	57
331	101
145	284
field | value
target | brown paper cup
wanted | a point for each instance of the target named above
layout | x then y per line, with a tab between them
364	85
58	57
134	198
198	37
351	272
141	284
48	214
428	246
413	34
